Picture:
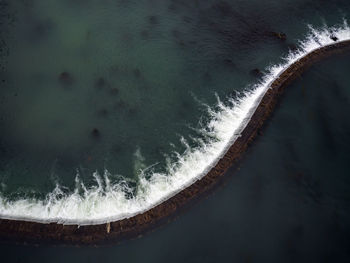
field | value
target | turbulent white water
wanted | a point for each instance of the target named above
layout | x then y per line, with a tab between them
107	202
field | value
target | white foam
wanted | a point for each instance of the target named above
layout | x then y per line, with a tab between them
106	202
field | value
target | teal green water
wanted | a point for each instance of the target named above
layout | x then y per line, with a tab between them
89	86
288	202
138	72
133	72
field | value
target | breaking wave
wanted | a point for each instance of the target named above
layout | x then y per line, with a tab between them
107	201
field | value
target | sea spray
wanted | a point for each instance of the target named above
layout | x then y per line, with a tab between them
106	201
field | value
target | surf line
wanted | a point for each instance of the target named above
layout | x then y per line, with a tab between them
12	230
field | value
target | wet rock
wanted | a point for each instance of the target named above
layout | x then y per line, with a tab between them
279	35
95	133
334	38
66	78
256	73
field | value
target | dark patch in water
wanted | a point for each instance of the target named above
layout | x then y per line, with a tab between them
187	19
144	34
172	8
334	38
95	133
132	112
294	241
327	139
66	79
100	83
207	77
256	73
176	33
153	20
292	47
102	113
229	63
120	105
277	35
113	70
114	91
223	8
137	73
40	30
117	148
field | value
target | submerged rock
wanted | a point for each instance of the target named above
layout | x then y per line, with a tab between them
132	111
40	30
120	105
279	35
153	20
100	83
114	91
292	47
229	63
95	133
223	8
66	78
256	73
102	113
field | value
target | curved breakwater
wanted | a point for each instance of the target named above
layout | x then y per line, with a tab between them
104	213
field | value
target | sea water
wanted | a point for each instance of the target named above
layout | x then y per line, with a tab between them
109	109
289	202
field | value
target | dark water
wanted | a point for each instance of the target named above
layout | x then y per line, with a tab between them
290	200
